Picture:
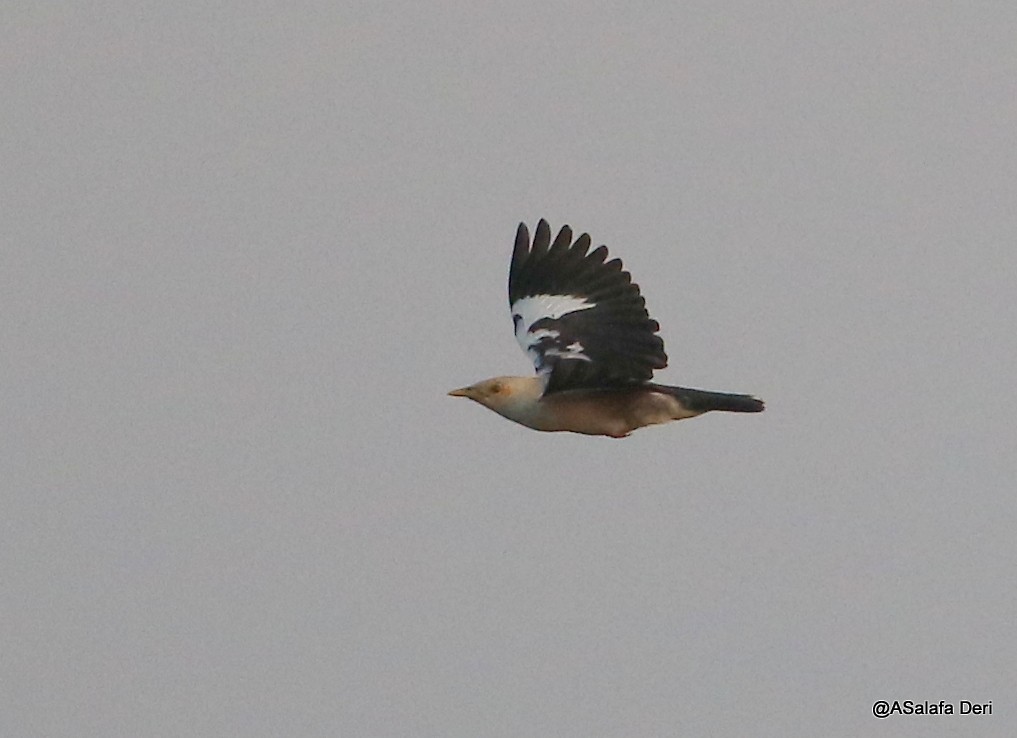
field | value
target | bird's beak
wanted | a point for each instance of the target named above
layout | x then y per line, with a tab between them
462	392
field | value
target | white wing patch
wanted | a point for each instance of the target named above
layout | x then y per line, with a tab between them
528	310
572	351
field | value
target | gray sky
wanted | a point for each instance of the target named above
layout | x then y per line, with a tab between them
248	247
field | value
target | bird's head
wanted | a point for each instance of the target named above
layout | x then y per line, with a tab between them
501	393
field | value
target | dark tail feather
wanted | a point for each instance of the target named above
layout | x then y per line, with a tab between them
703	401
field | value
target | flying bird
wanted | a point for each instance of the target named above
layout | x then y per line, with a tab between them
584	324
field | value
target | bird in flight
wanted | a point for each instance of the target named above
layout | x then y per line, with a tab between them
583	323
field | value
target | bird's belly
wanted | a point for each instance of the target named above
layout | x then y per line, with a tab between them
611	413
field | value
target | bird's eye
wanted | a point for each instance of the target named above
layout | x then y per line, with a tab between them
496	388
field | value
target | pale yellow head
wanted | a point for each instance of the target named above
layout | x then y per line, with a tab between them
512	397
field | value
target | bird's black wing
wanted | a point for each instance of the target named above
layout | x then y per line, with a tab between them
579	317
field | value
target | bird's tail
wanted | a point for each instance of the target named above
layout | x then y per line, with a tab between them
701	401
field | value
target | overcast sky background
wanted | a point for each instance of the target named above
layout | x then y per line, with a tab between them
248	247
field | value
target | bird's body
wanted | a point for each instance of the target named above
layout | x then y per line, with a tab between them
584	324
